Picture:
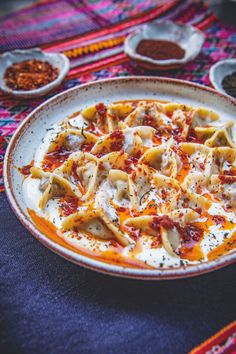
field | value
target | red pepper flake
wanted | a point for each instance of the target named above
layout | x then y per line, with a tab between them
101	109
201	165
192	137
30	75
100	155
73	170
164	193
134	233
133	175
218	219
86	147
114	243
162	221
121	209
190	232
68	205
230	173
158	133
189	119
179	138
155	243
118	136
227	179
149	120
198	210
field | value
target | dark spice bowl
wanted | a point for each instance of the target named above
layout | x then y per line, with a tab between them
187	37
58	61
219	71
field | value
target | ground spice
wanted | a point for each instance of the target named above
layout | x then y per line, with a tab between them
229	84
160	49
30	74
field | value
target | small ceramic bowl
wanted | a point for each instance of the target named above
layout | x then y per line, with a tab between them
187	37
59	61
219	70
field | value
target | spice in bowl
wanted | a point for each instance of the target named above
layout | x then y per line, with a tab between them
30	75
229	84
160	49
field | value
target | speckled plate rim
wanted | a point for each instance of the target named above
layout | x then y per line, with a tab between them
79	259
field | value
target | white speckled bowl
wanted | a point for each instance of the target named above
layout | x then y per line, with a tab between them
27	138
219	70
59	61
188	37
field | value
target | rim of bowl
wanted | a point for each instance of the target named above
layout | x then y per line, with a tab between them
90	263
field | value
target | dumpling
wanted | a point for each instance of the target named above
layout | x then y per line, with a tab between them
162	159
130	140
116	113
180	116
89	222
105	205
53	186
168	227
224	187
81	170
168	190
73	140
142	187
224	161
119	182
150	114
222	137
199	156
202	117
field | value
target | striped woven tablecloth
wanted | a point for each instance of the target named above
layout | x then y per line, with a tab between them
91	33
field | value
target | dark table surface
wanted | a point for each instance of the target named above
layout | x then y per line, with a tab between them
49	305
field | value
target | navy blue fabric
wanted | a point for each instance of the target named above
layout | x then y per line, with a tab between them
49	305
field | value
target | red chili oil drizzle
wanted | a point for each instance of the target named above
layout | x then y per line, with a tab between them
133	232
55	158
218	219
68	205
25	170
76	178
225	179
231	172
193	138
86	147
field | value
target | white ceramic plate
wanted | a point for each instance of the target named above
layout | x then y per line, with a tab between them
29	134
